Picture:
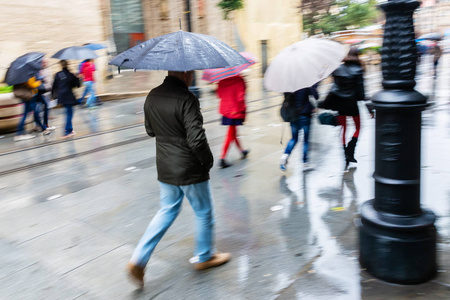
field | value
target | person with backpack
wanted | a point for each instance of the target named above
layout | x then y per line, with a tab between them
297	110
63	84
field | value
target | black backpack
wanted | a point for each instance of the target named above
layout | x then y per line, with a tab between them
288	111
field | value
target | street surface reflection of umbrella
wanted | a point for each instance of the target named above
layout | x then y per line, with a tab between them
95	46
24	67
179	51
215	75
303	64
75	52
435	36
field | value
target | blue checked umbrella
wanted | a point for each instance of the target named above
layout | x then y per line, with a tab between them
179	51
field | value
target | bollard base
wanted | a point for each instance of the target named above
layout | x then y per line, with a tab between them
397	249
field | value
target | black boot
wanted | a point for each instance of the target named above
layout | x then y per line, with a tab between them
224	164
350	150
245	153
346	158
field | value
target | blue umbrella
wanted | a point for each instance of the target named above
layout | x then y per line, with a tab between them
179	51
24	67
94	46
75	52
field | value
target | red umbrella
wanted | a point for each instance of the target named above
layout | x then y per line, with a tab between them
215	75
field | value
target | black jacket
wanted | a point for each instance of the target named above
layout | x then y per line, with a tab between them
172	115
62	87
348	88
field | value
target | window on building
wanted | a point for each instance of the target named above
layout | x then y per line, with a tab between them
128	23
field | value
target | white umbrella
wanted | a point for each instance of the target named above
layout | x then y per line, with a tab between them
303	64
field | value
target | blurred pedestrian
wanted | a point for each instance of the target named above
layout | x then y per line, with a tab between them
87	70
231	92
348	88
27	92
302	108
183	160
43	94
437	53
63	84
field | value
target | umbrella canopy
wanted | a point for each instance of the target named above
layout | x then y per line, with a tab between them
303	64
95	46
75	52
179	51
24	67
215	75
435	36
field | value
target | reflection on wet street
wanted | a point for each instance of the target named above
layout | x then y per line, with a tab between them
68	225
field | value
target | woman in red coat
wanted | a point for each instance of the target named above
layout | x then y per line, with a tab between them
231	92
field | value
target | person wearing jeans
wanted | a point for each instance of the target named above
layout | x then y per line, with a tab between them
87	73
303	123
183	161
30	106
171	197
63	84
299	101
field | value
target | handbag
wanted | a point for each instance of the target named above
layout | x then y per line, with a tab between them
327	118
22	91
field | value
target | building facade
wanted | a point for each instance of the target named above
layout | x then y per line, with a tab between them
262	27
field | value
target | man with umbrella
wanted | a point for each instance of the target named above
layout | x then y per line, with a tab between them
183	156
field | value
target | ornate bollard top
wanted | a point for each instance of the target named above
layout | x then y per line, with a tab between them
399	53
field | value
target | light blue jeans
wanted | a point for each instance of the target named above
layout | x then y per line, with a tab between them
199	196
90	89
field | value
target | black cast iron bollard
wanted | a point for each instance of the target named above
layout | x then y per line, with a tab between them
397	237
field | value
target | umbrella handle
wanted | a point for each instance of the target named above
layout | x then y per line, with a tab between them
124	61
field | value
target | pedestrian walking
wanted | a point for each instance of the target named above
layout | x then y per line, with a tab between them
231	92
42	94
348	88
183	160
87	70
302	109
27	92
63	84
437	53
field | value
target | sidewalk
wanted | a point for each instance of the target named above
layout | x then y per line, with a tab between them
69	224
68	228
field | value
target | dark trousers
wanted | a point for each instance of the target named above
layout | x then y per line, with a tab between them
41	100
69	116
29	106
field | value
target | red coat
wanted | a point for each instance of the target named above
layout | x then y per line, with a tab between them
231	92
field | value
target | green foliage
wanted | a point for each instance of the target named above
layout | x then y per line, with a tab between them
6	89
337	15
230	5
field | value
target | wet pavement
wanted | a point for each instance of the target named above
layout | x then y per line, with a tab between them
71	212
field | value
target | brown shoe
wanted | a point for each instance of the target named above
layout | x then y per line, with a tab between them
136	274
216	260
